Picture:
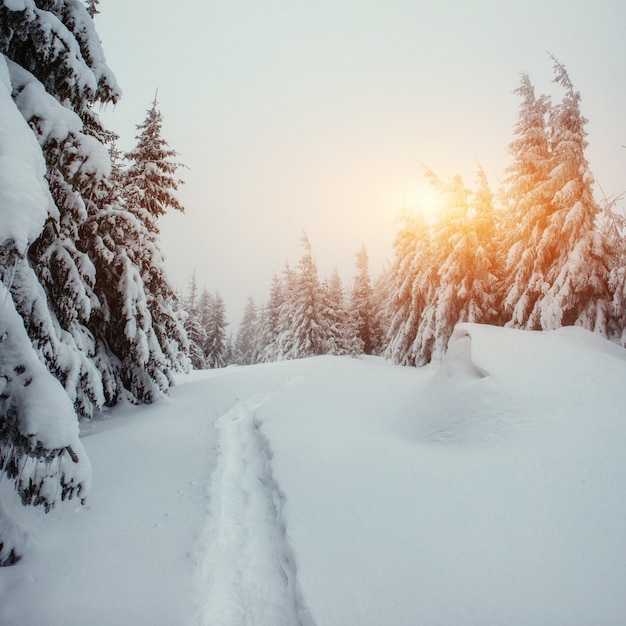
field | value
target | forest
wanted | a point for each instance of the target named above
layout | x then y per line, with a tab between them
89	318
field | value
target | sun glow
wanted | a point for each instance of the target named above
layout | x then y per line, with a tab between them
425	201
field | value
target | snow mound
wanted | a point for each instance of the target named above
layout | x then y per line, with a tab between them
458	362
464	404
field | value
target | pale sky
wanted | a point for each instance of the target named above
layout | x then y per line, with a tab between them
314	115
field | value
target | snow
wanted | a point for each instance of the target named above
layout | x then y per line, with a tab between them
32	390
336	491
55	123
24	196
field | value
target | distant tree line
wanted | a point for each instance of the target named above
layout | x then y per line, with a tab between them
541	255
304	316
205	324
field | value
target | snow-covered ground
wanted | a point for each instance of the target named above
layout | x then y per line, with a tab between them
337	491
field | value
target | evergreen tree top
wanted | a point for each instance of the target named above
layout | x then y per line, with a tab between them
150	179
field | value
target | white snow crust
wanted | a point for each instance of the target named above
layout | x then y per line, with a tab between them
352	492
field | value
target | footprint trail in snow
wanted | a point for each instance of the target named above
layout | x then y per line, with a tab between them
248	574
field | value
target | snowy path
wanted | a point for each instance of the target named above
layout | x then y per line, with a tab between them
248	575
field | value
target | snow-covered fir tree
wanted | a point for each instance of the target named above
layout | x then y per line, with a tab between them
613	226
303	316
40	451
215	354
444	272
529	204
150	180
246	345
149	185
270	323
106	327
57	73
559	262
467	286
196	332
381	288
229	352
438	290
307	324
362	305
578	274
128	353
411	283
340	327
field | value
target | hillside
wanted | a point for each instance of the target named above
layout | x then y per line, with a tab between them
337	491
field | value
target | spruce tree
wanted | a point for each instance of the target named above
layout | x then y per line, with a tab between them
467	286
412	277
57	72
529	202
362	304
196	333
148	191
307	323
285	339
270	324
340	326
381	297
613	227
39	447
150	180
578	255
559	261
247	336
216	348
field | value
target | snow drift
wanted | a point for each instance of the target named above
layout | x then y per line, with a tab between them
338	491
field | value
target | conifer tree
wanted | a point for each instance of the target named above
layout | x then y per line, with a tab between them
559	263
150	180
467	286
270	324
196	333
381	297
40	451
148	191
129	355
215	352
285	340
613	227
529	203
340	327
578	255
57	72
307	323
39	447
411	283
246	344
230	355
362	304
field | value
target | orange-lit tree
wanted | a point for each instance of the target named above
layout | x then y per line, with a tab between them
529	203
558	260
579	253
363	305
411	279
